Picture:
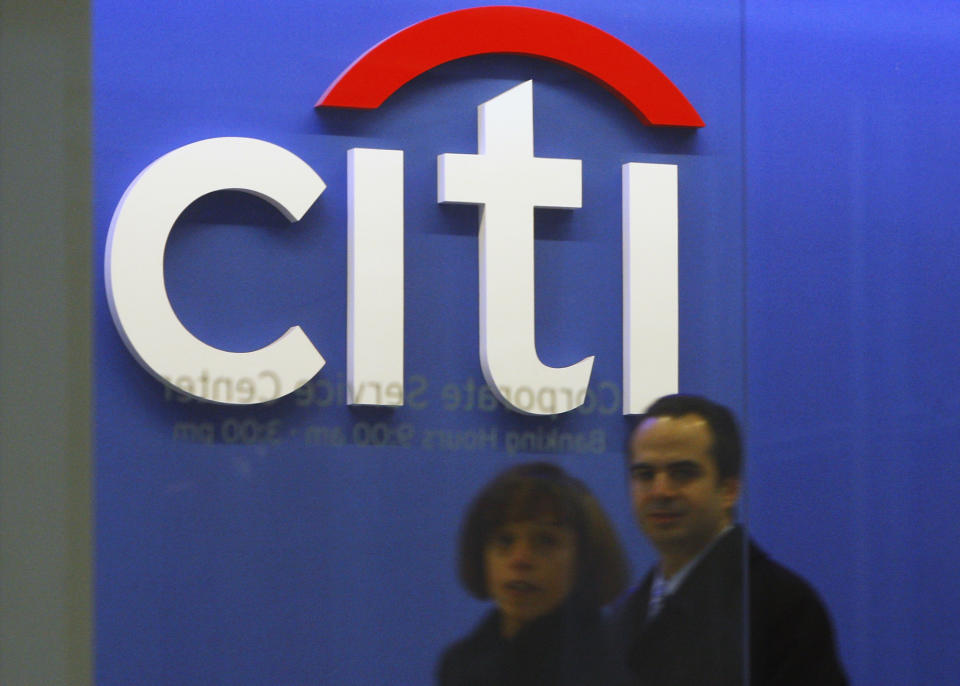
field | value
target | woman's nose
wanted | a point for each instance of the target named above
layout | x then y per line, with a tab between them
521	554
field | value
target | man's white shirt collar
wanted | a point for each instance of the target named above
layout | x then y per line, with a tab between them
669	586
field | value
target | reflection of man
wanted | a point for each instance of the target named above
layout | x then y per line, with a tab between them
684	625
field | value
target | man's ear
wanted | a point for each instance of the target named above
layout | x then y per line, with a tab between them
730	490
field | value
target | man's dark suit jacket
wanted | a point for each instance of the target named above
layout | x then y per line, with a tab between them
697	638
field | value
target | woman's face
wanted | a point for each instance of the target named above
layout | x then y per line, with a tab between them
530	569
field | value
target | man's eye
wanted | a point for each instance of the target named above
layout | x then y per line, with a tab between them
642	474
501	540
684	472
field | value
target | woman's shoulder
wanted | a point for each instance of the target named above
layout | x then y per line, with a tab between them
465	661
571	647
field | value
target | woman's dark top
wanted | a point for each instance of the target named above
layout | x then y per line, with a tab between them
568	647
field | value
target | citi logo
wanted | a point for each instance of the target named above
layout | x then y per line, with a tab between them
504	178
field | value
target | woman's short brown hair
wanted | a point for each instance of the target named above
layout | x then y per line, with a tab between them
527	491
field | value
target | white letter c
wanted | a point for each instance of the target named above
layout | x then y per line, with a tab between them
134	258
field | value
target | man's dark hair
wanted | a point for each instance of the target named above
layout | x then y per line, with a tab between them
533	489
727	450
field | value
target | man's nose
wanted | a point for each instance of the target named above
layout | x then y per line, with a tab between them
662	485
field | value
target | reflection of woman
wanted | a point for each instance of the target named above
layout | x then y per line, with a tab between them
536	541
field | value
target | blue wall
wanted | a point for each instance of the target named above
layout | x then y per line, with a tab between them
817	298
853	318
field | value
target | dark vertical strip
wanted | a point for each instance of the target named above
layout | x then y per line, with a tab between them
45	344
745	340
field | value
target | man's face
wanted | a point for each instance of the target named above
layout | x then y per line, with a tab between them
678	498
530	569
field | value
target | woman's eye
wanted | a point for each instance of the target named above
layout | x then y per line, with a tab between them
545	540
